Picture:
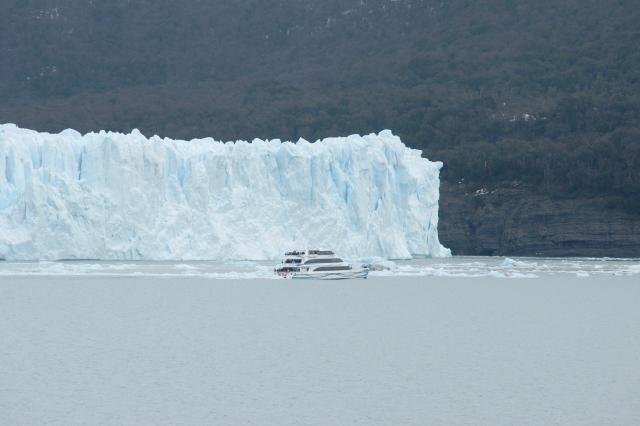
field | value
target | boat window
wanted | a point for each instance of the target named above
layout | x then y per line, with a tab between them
332	268
331	260
288	269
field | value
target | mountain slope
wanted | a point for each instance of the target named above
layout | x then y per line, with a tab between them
543	95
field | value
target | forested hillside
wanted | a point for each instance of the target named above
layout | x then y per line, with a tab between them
542	97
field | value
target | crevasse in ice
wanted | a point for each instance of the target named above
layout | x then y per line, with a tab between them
124	196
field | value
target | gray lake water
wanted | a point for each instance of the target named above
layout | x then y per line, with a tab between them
468	341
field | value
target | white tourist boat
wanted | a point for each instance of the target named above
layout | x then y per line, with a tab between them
317	264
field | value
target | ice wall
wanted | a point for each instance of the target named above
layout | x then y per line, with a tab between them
115	196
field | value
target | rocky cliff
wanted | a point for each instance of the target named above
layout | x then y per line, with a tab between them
515	221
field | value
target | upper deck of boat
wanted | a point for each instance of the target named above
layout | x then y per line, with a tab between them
311	252
311	257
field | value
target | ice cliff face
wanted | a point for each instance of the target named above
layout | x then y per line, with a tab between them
115	196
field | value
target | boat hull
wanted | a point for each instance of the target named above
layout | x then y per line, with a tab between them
362	273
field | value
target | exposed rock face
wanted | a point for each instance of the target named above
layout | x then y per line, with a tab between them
512	221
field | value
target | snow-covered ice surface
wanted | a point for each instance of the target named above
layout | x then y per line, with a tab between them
115	196
457	266
559	349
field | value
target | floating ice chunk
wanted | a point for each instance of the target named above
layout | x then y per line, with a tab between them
382	265
508	263
123	196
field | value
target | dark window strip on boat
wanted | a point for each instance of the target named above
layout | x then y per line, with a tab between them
322	252
332	268
311	261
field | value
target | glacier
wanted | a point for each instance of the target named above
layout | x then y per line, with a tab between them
114	196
